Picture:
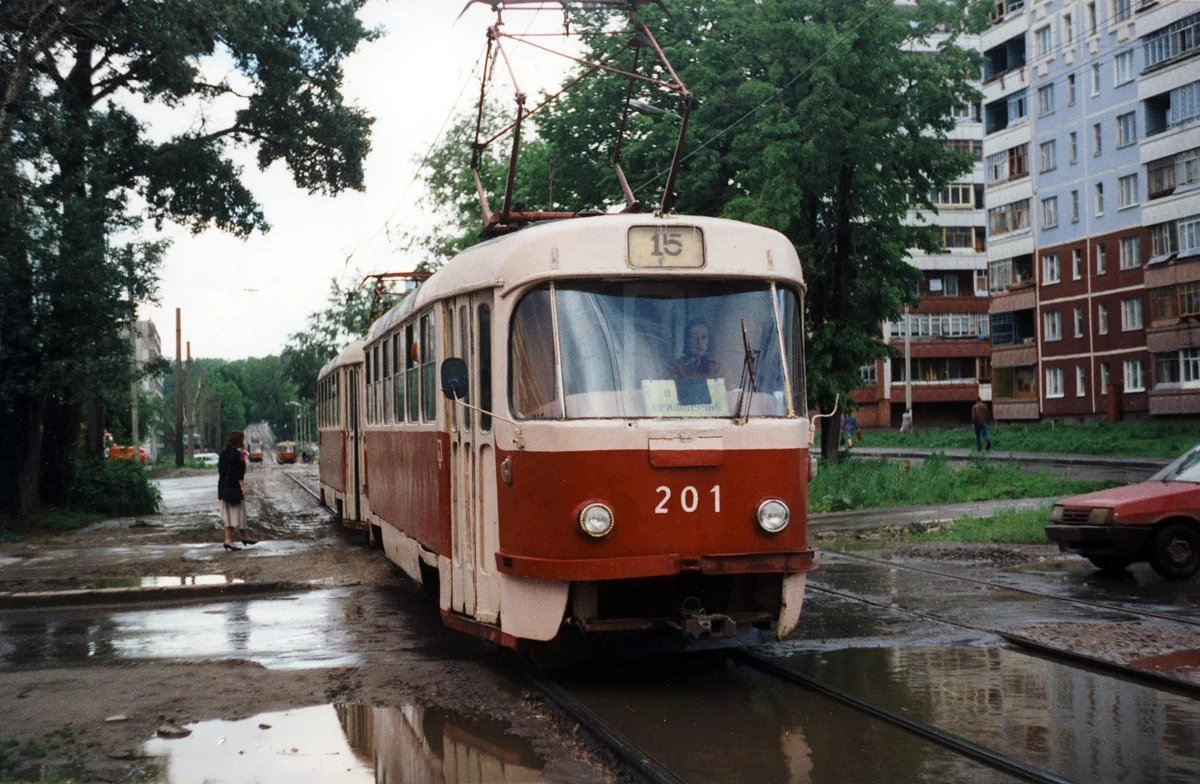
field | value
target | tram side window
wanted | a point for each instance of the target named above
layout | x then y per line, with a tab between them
376	398
367	381
385	402
534	389
428	368
412	371
485	367
464	340
336	402
398	381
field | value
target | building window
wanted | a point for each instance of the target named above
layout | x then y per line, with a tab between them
867	374
1101	258
1073	146
1177	368
1131	314
1008	165
1080	382
1099	199
1181	236
1042	41
1068	31
1076	264
1009	218
1128	252
1097	140
1050	273
1126	129
1134	381
1127	195
1016	107
1074	206
1078	322
1092	19
1050	212
1095	78
1048	156
955	196
1102	319
1045	100
1123	67
1054	382
1051	326
972	147
1104	379
1177	39
1170	110
1165	174
1070	88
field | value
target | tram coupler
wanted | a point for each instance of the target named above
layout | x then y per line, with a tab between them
695	623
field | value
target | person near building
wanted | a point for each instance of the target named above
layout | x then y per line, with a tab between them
850	429
980	416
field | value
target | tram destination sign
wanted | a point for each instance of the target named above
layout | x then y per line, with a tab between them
657	247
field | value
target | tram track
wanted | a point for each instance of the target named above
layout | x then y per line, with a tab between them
302	485
1147	677
1028	591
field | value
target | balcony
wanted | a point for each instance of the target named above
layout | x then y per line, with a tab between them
1004	59
1176	42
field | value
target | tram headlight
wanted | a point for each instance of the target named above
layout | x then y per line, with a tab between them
596	520
773	515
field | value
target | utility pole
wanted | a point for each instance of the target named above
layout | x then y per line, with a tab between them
178	389
906	423
133	395
191	407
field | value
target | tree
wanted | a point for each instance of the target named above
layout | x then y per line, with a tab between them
814	117
77	169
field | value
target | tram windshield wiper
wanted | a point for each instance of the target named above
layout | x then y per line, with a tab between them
749	376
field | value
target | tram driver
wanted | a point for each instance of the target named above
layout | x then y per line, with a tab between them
697	361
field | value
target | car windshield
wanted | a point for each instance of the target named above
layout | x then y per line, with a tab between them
1185	468
653	348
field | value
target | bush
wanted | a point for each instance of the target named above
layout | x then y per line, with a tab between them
113	487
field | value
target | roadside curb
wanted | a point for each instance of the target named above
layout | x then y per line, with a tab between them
1148	463
162	593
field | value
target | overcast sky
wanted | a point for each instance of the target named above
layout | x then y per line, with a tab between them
243	298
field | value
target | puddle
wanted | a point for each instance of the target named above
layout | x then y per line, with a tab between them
304	630
347	744
1080	725
159	581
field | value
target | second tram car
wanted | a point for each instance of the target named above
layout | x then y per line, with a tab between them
339	435
621	441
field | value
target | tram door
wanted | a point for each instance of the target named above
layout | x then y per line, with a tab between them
353	449
475	589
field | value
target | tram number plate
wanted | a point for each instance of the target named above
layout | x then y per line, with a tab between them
652	247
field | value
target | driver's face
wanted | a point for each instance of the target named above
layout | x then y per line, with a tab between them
697	340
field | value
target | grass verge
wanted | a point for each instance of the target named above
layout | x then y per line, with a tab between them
1130	439
872	484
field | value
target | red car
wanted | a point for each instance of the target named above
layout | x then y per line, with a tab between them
1157	521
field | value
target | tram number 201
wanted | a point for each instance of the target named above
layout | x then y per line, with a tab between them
689	499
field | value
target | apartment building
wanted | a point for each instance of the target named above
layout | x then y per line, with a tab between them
949	353
147	347
1169	90
1089	146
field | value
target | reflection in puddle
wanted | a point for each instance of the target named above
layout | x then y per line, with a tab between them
349	743
160	581
1078	724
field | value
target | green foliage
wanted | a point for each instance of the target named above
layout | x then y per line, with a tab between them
869	484
113	487
80	176
817	118
1132	439
1005	527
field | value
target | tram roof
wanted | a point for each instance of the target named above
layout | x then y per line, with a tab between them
587	247
349	355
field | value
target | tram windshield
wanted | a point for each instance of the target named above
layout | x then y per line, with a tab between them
678	348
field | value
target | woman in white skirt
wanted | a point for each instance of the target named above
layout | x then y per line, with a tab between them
231	489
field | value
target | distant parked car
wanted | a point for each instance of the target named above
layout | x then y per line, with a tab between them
1157	521
206	459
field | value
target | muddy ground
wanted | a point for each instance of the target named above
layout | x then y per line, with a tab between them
57	718
77	705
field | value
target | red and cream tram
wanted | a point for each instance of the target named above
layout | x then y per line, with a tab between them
339	435
620	443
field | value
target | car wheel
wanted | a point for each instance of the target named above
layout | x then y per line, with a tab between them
1175	552
1109	564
